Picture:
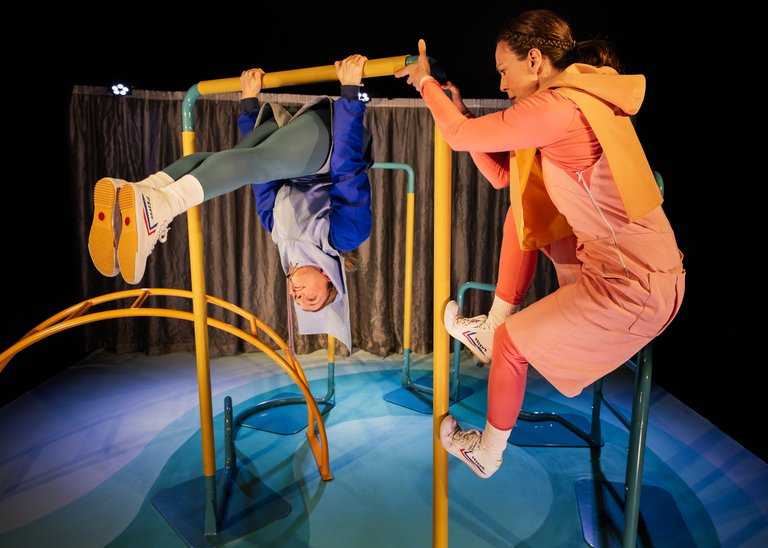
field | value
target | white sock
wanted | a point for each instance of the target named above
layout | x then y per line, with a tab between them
500	311
157	180
495	440
184	194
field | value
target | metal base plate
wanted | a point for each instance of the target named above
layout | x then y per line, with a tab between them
287	418
421	401
601	507
246	503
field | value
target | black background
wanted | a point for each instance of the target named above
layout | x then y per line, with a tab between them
706	358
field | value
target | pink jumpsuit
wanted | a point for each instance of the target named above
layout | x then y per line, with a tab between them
621	282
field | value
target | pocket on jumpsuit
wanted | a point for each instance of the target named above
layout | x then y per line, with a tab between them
662	305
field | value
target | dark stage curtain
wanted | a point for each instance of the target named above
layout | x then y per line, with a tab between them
134	136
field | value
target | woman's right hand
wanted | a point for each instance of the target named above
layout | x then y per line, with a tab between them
250	82
417	71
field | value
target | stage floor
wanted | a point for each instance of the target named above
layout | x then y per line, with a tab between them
108	453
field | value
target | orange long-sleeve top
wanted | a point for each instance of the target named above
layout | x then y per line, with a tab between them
547	121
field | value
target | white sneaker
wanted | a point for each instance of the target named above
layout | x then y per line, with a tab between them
107	224
467	446
475	333
146	214
105	227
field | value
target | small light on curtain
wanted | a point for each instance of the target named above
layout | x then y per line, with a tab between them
120	90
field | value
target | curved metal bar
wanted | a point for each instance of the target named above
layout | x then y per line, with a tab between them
75	316
373	67
407	306
641	365
456	343
330	390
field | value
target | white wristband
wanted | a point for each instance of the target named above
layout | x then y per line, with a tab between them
424	79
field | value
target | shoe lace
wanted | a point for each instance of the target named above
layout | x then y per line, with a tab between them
475	321
162	234
469	439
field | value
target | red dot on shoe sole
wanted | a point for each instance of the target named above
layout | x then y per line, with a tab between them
101	215
127	221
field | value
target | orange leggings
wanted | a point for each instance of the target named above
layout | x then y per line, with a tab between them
516	267
506	381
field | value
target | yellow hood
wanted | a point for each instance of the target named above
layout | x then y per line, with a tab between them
625	91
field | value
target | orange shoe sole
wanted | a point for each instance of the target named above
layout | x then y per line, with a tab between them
101	239
126	248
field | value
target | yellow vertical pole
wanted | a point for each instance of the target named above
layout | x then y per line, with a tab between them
410	213
442	290
200	313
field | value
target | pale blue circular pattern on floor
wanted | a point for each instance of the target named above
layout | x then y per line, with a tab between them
131	424
382	471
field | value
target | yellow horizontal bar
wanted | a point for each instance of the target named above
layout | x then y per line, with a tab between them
385	66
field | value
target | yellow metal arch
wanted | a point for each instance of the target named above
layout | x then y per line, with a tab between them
83	313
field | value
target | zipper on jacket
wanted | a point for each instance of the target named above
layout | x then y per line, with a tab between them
583	183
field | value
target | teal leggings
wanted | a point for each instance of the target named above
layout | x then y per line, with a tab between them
267	153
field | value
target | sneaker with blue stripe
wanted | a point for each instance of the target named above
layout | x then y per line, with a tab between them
475	333
467	446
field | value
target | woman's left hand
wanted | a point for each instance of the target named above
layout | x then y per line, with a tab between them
350	70
455	96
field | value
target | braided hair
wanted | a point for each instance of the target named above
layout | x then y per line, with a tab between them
551	34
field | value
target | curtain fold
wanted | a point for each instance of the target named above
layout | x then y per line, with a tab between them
134	136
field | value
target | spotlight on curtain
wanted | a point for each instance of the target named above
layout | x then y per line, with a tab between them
120	90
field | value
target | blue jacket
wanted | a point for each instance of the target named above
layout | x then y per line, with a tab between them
350	193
